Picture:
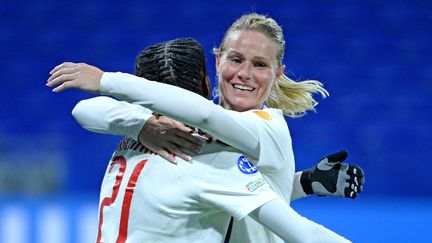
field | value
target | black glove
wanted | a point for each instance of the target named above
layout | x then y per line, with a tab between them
331	177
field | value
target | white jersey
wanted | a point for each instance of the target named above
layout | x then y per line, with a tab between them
262	134
146	199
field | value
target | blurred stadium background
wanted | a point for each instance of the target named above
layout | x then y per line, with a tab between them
373	56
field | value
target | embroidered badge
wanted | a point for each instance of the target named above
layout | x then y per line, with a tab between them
264	115
245	166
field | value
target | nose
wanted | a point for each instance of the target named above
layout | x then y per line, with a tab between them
244	72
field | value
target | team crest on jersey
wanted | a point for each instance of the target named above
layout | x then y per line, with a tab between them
245	166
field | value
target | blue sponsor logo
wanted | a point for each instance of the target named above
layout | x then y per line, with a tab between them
246	166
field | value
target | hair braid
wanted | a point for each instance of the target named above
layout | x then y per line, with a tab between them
179	62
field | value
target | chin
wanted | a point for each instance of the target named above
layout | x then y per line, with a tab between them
242	107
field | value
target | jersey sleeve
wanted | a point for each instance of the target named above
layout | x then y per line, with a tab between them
275	140
109	116
291	226
237	129
297	191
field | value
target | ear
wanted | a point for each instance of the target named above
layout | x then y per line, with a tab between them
280	70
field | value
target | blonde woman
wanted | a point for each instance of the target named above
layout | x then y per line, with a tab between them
250	74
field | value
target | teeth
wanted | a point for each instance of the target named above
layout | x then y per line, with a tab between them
242	87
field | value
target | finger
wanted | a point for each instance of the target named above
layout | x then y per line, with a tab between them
169	157
179	152
354	187
360	174
62	79
63	65
182	127
62	69
174	149
184	156
171	123
352	195
359	188
56	68
349	192
162	152
337	157
354	184
332	166
188	141
352	170
352	178
63	72
357	171
165	154
360	185
187	137
63	86
183	141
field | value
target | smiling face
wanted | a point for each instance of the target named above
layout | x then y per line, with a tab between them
246	70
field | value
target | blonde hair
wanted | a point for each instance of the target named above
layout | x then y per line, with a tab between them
293	98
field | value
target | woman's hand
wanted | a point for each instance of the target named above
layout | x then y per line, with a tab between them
169	138
332	177
75	75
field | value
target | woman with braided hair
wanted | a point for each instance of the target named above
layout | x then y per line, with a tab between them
247	69
179	62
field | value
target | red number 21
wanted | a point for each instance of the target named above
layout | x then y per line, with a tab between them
107	201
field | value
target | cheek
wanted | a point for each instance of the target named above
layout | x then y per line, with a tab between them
265	79
227	72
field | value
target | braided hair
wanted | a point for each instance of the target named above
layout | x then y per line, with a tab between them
179	62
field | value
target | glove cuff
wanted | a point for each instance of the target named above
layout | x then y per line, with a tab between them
305	181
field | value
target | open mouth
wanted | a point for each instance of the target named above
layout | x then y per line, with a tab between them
243	87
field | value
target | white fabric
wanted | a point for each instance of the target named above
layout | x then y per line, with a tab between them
260	134
297	187
108	114
301	230
188	202
268	140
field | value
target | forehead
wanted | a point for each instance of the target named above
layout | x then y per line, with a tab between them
251	44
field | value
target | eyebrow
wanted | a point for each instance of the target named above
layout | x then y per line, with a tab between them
232	52
235	53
